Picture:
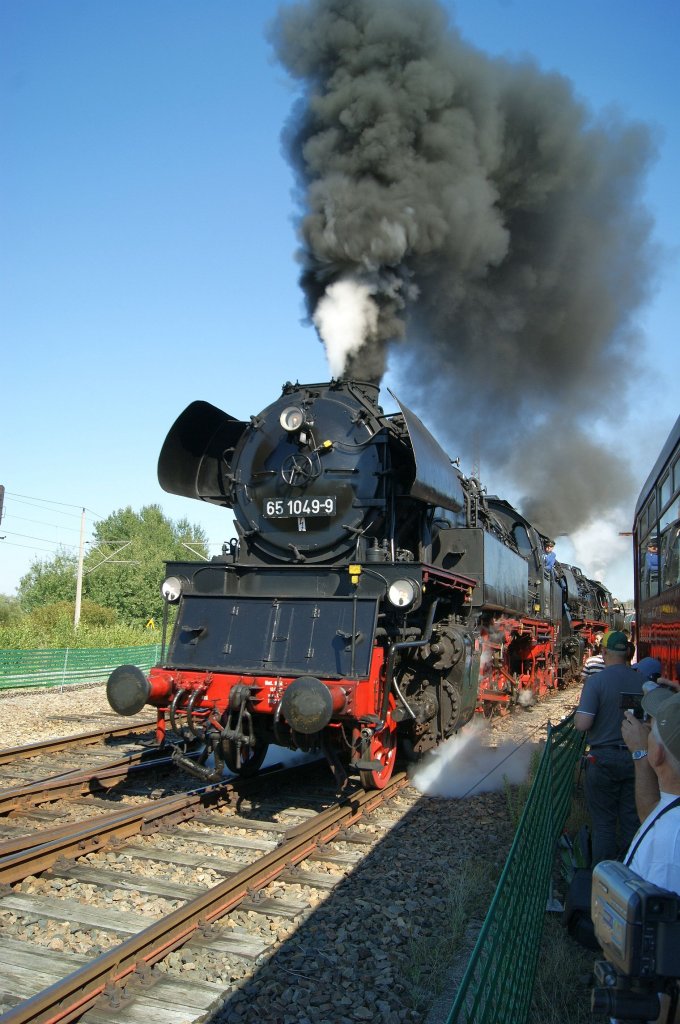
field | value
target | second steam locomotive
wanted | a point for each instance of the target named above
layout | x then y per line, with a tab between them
374	599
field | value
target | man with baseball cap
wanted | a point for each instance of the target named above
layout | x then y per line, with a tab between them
610	775
650	668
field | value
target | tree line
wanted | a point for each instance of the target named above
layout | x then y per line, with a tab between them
122	573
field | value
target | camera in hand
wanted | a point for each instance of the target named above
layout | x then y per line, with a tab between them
632	702
638	928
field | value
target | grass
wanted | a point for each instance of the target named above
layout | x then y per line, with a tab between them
563	979
430	958
516	795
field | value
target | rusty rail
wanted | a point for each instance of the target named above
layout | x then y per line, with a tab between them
70	998
9	754
30	854
81	781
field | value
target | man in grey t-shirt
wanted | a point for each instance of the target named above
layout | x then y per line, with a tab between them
610	775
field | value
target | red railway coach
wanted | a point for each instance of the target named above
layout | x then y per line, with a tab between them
656	542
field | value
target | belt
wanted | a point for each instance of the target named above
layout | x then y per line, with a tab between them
610	746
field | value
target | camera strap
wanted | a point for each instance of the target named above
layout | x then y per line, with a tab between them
664	810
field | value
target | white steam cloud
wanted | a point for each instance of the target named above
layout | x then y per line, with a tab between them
346	318
466	764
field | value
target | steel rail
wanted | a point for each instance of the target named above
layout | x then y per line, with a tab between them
71	997
9	754
103	777
30	854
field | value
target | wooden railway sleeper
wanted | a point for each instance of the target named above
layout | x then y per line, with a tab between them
81	989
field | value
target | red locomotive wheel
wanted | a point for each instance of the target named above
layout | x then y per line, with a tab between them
383	749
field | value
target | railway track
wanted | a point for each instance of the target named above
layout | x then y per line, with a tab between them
98	897
8	755
23	783
247	854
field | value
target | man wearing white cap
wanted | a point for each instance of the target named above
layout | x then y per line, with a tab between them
654	852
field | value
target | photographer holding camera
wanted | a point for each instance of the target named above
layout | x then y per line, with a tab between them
636	905
654	853
610	775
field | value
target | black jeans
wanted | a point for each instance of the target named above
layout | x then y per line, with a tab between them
610	793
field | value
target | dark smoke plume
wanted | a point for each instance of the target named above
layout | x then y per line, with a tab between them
470	220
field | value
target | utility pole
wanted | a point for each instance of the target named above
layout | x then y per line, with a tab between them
79	581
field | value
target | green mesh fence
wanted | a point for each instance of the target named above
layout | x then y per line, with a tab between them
60	666
499	980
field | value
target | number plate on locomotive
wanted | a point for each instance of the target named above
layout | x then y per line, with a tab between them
282	508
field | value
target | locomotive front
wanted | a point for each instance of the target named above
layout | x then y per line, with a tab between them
373	596
290	636
308	476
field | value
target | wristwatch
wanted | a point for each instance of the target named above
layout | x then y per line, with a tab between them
637	755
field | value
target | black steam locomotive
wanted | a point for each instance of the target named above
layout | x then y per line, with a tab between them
375	597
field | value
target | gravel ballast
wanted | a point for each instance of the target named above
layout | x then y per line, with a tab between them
370	949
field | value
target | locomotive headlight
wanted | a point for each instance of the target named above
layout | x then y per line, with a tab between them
402	593
292	418
171	589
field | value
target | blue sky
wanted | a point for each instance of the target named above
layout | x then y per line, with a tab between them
147	255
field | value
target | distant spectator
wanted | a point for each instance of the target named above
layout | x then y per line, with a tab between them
595	663
649	668
650	570
652	557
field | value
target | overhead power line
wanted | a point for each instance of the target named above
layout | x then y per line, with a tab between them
50	501
29	547
43	540
43	522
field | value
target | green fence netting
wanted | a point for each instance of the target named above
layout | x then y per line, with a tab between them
60	666
498	983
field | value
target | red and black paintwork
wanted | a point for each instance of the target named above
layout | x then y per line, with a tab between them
375	597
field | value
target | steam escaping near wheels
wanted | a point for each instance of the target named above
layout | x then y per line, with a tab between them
466	764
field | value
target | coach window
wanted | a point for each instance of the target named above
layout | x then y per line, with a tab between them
676	475
649	566
665	491
670	556
670	515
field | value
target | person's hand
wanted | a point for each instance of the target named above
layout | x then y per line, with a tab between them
670	683
634	731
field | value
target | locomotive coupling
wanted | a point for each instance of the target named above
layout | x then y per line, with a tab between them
127	690
308	705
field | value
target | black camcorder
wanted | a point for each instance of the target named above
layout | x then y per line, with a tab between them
638	928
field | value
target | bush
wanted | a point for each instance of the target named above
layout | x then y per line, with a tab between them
27	635
10	610
50	616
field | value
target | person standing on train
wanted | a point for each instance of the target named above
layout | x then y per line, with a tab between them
610	775
549	556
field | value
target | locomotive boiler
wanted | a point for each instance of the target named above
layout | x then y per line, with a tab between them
373	600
